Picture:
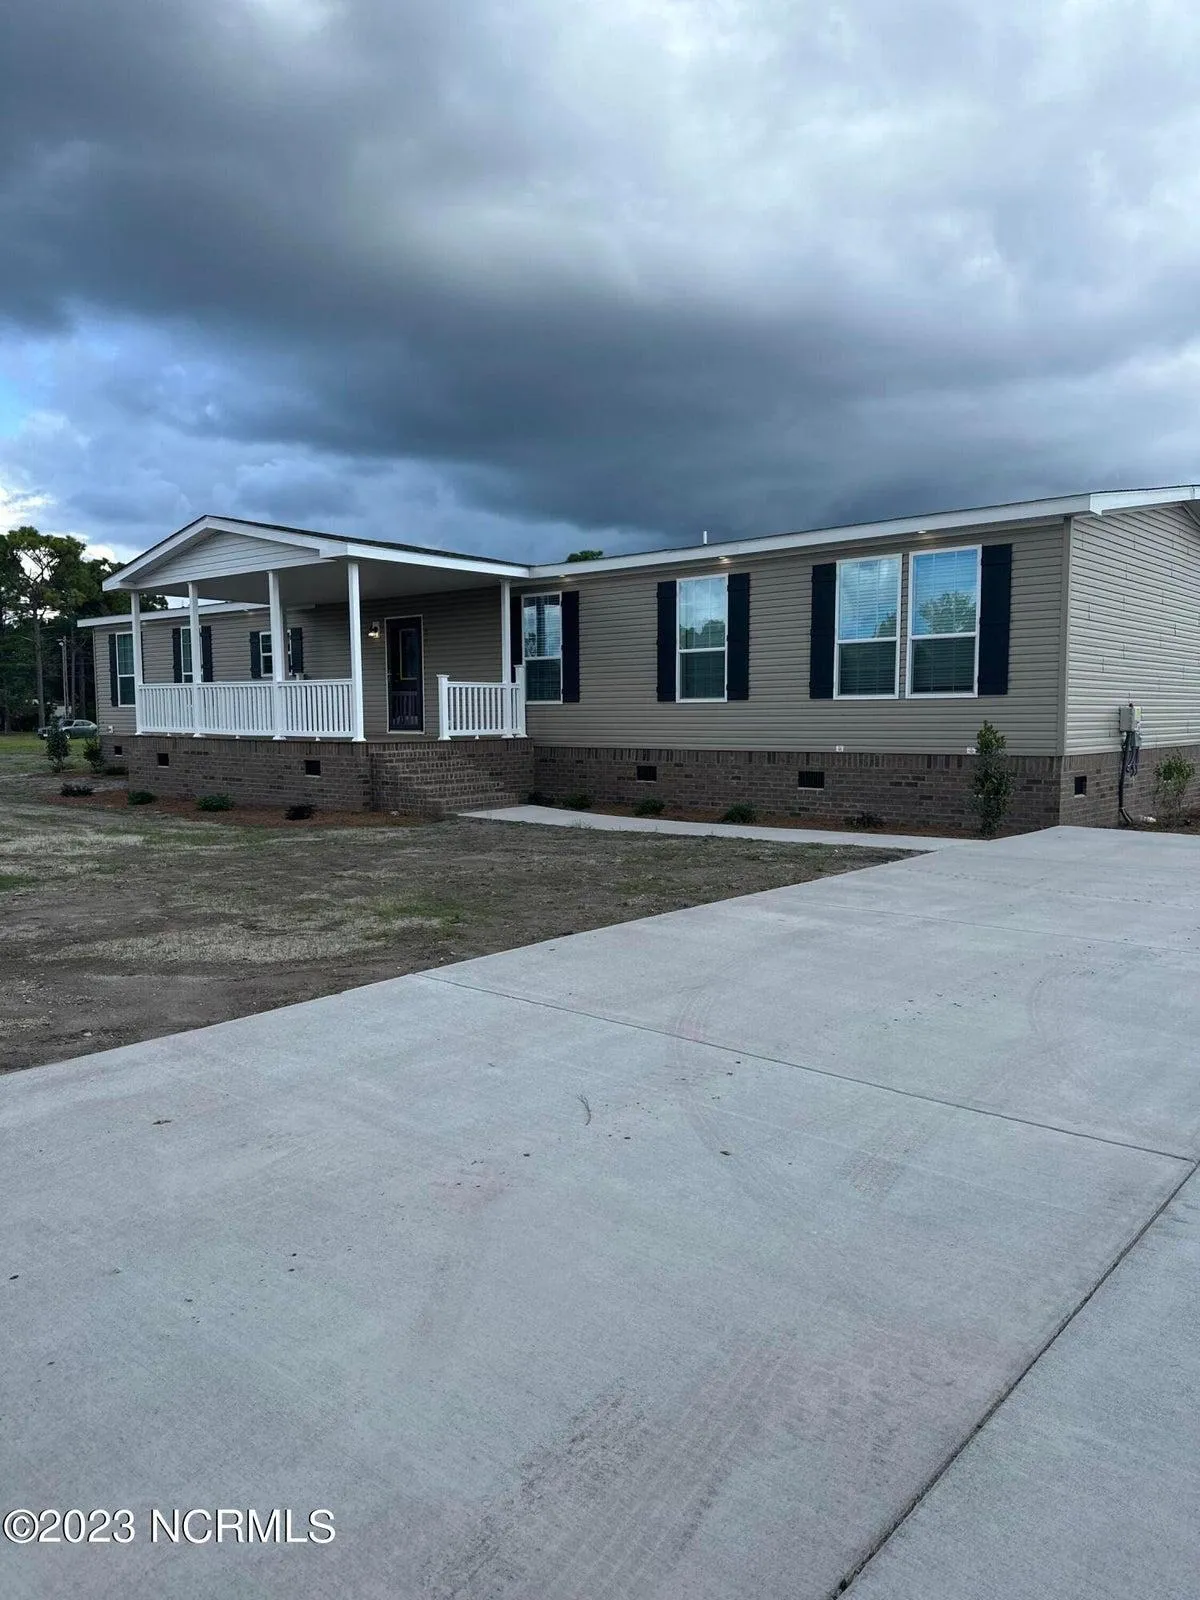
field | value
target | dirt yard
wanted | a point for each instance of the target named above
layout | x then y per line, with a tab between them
120	923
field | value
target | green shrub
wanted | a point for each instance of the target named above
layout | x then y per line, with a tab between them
993	782
741	811
578	802
651	806
214	802
94	755
298	813
58	747
140	797
1171	780
73	789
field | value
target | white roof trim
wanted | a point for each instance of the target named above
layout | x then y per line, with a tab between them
1031	512
208	608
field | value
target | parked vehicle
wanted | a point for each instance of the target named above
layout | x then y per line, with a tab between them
81	728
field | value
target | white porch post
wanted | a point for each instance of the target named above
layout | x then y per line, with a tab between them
278	653
354	598
197	655
506	657
443	705
135	617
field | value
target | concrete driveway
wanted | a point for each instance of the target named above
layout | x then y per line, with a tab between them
844	1229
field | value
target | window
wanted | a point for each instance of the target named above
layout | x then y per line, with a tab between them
866	662
943	624
703	617
810	780
647	774
541	642
125	678
266	656
185	655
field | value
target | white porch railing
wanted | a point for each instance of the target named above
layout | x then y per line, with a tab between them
320	708
481	710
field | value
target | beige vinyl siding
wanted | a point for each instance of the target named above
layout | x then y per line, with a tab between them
1134	627
460	637
618	664
222	555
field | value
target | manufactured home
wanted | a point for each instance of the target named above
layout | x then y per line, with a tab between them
839	673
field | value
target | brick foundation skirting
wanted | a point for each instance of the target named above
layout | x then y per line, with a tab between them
426	777
1096	806
931	791
431	777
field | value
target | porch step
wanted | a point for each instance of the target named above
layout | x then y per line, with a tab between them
436	778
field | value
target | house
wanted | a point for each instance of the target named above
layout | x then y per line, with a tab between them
834	673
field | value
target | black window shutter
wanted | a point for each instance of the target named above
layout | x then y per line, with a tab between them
295	651
113	687
177	654
821	635
206	670
516	637
255	655
570	645
668	639
737	670
995	617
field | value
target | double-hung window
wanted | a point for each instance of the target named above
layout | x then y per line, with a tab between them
125	679
866	642
943	606
703	635
266	654
541	641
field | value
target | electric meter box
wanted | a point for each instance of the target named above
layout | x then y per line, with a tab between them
1130	718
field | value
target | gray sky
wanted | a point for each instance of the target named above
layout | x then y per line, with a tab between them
518	275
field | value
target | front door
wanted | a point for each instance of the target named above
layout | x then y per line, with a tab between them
406	694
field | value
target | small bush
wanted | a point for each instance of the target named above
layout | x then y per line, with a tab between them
741	811
94	755
651	806
298	813
864	819
578	802
1171	780
214	802
58	747
140	797
116	769
993	782
74	789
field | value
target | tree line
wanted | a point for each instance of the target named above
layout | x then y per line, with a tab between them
47	583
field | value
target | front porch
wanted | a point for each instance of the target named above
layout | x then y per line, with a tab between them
325	708
354	640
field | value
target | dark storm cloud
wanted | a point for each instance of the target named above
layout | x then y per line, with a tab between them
649	267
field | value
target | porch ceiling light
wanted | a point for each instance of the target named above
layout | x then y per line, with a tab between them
374	631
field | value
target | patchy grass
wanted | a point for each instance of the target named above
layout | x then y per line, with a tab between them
121	926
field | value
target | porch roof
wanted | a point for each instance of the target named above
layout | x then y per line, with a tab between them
228	558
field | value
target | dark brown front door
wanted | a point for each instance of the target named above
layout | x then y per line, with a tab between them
406	694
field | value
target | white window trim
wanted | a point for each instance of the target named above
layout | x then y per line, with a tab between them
701	650
266	654
542	594
943	694
186	675
838	641
126	633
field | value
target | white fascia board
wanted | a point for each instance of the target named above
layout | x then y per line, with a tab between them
1132	499
486	566
1034	513
208	608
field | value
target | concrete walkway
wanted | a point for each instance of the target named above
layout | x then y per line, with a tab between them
555	818
845	1229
